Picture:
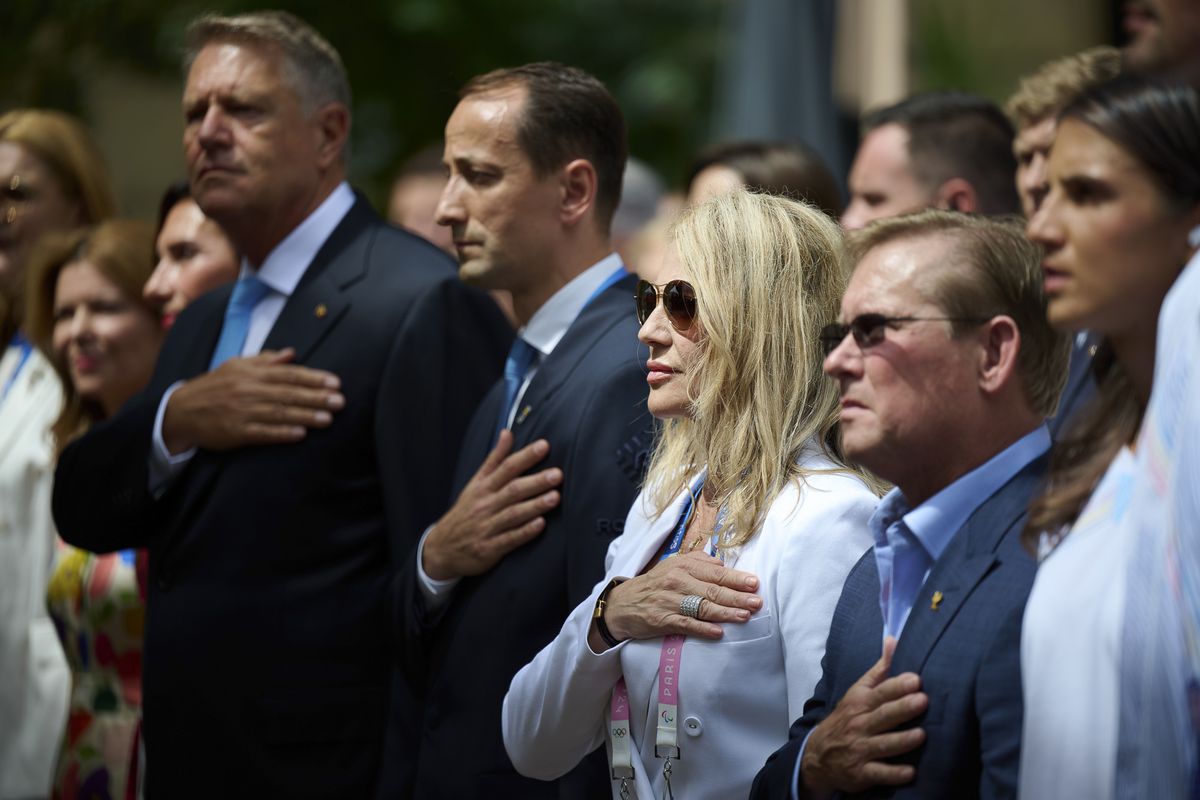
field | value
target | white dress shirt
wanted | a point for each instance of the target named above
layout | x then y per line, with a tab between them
281	271
544	331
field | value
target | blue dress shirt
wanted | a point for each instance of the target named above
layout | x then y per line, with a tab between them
909	540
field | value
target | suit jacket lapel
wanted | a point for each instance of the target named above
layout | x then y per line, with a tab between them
970	557
568	355
319	301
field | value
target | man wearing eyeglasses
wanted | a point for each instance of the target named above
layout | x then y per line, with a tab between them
535	157
947	369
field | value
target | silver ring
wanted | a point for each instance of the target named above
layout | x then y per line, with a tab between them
689	606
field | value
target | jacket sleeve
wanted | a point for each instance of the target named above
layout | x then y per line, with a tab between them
555	710
102	500
827	534
998	699
775	780
608	463
448	352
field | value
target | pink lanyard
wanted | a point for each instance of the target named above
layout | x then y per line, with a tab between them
670	660
666	737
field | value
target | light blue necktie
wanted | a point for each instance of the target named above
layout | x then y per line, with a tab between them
515	367
247	293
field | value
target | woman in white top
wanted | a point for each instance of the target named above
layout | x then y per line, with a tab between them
707	632
52	178
1124	178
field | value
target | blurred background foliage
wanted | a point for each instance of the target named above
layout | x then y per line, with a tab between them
406	60
115	63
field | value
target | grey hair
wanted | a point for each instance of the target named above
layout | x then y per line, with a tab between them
311	63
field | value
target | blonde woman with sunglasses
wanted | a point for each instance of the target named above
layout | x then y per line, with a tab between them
705	637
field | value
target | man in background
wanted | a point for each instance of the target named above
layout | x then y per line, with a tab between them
947	150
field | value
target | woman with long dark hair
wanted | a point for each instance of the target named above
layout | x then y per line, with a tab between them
1124	197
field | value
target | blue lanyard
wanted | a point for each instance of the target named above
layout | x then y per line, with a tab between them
26	348
617	275
685	516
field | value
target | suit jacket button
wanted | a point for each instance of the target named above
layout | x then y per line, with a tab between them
163	583
693	726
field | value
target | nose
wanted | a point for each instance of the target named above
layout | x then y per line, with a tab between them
656	330
161	286
81	323
1044	227
844	360
855	216
1034	180
450	208
213	130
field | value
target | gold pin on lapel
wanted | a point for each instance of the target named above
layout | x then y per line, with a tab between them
935	601
522	415
320	311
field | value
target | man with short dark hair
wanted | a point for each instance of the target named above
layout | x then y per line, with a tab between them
296	436
536	155
947	368
947	150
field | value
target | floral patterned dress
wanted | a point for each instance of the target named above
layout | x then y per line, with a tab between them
99	612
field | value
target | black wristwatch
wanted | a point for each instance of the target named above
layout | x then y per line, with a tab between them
598	613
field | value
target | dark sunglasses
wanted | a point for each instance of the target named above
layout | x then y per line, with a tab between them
871	329
678	299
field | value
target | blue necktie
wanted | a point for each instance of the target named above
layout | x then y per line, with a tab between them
519	359
247	293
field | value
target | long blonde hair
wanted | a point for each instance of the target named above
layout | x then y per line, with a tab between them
768	273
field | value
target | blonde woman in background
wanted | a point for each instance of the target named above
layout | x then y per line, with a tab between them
87	314
716	603
51	178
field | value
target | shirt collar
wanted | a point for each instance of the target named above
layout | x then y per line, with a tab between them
284	266
935	521
549	323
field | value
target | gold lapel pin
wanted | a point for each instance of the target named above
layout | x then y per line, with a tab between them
320	311
935	601
524	413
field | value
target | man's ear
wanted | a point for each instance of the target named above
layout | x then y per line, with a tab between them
957	194
333	129
1000	344
578	191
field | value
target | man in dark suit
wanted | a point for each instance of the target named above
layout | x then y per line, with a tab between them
294	436
947	369
950	150
535	156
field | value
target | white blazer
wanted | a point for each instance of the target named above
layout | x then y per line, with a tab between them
36	680
737	695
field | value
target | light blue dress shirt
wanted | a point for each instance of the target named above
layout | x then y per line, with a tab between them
909	540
